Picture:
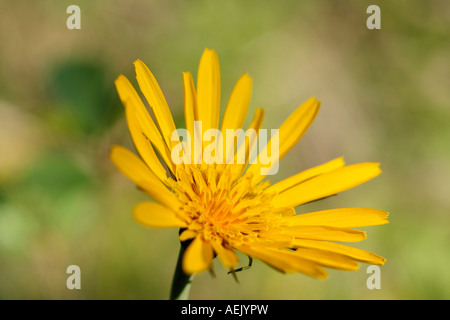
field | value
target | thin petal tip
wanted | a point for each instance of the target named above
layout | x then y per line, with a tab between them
120	77
114	150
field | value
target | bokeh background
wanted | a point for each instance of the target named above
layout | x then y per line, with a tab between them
385	97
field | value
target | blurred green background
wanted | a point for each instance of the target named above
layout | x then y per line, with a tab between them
385	97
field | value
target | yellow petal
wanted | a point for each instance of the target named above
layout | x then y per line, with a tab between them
276	239
325	233
297	124
190	109
133	167
198	256
155	215
354	253
227	256
143	145
341	218
156	100
306	175
187	235
190	102
237	107
249	144
235	114
284	260
327	184
208	90
142	127
328	259
289	133
160	194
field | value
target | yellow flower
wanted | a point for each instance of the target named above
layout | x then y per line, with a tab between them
224	208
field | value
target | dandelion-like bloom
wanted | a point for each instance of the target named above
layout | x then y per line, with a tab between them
224	208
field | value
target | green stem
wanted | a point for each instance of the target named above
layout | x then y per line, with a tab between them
181	283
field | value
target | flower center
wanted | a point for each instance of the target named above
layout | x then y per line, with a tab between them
222	205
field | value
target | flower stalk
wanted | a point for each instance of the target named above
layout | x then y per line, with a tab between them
181	283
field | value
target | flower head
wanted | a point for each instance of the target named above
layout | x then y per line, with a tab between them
224	207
